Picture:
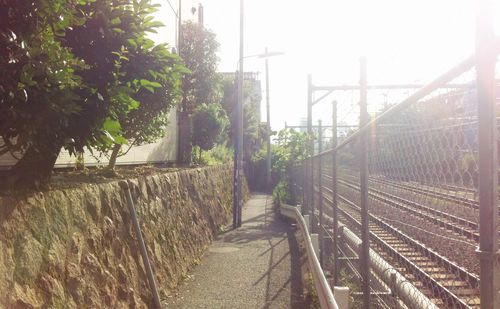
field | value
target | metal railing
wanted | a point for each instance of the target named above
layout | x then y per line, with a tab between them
323	289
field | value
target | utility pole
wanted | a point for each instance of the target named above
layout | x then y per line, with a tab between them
363	180
238	149
309	168
488	250
181	114
200	14
268	158
320	199
179	38
334	196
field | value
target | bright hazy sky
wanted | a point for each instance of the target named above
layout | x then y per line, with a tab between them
404	41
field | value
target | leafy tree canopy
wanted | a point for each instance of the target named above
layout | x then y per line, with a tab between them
73	76
199	52
209	125
252	131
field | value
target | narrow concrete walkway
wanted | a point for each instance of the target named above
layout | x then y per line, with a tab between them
255	266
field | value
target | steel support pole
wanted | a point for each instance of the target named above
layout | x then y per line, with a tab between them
142	245
363	178
320	198
311	149
178	108
334	196
235	187
238	147
240	114
488	251
268	111
304	181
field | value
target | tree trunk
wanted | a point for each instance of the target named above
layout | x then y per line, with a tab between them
185	146
35	167
80	161
114	155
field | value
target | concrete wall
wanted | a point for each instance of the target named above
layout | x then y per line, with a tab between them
76	248
164	150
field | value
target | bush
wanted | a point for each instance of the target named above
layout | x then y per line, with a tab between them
282	194
220	154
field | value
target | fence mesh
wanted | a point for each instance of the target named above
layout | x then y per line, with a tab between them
423	203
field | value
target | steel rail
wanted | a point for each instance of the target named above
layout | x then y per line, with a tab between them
424	212
401	287
436	287
467	202
448	297
411	296
441	260
463	201
472	279
398	203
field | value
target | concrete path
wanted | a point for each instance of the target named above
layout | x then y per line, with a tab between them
255	266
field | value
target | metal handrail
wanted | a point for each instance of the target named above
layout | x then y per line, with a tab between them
323	289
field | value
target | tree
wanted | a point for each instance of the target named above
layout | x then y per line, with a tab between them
198	50
38	96
70	87
156	74
290	148
209	125
252	137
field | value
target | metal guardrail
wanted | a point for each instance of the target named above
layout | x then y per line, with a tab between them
323	289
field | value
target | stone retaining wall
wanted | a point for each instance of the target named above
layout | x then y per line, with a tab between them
76	248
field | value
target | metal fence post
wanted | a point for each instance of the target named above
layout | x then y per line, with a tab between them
334	195
142	245
240	115
365	234
312	210
488	251
320	201
311	145
304	181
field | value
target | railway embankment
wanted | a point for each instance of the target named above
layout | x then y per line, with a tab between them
77	247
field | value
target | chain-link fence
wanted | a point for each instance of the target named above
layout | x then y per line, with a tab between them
415	203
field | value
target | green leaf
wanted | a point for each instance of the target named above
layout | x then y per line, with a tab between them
155	24
116	21
132	43
111	125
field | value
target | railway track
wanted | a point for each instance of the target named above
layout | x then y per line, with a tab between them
445	283
435	192
457	200
459	226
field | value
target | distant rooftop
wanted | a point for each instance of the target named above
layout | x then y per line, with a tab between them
246	75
